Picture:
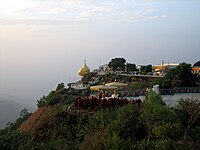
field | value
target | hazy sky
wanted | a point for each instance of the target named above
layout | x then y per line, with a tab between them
44	42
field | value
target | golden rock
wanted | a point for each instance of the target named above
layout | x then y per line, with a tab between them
84	70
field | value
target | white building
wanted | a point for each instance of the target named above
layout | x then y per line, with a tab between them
77	85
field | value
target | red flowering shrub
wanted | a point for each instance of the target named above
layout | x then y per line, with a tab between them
93	103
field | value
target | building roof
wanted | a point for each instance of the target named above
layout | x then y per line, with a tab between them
197	64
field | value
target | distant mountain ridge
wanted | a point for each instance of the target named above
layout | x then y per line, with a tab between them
10	110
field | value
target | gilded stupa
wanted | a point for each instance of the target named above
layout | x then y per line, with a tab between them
84	70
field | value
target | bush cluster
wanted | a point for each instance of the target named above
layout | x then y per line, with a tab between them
93	103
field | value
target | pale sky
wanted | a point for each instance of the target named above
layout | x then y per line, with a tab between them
44	42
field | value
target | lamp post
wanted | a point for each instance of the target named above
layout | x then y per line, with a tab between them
125	67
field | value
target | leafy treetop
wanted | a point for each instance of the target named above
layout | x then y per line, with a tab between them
146	69
117	64
182	76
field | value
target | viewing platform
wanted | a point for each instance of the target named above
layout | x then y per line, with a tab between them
141	92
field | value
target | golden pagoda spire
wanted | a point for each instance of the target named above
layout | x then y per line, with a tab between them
85	62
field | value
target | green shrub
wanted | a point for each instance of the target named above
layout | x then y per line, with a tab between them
164	144
168	130
41	102
53	101
12	140
114	142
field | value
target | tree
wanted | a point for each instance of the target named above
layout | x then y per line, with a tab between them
41	101
117	64
190	110
182	76
131	67
155	113
60	86
24	113
146	69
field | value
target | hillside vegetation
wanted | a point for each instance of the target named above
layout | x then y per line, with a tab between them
61	123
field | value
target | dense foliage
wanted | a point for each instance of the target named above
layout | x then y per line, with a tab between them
117	64
150	125
181	76
131	67
10	138
146	69
60	95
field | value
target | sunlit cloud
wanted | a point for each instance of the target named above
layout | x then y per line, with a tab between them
53	12
157	17
102	11
124	1
33	22
9	7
